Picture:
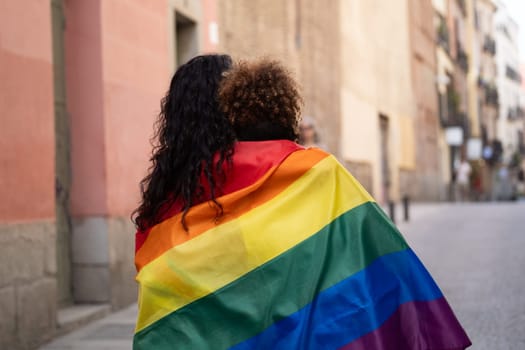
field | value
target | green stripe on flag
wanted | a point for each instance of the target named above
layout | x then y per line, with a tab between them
278	288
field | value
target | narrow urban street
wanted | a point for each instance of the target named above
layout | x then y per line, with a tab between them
474	251
476	254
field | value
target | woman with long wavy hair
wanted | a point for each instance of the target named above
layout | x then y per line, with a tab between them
190	133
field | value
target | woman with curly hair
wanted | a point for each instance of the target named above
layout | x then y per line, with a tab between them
190	132
262	101
301	257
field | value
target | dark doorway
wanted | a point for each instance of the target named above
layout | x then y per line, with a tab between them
186	39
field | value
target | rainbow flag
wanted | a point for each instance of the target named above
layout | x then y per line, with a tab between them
303	258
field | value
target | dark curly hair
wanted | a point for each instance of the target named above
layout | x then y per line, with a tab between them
189	132
262	101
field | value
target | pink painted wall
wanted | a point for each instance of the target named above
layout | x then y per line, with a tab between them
85	107
136	74
27	183
209	10
117	72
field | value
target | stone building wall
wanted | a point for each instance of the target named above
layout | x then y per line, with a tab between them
305	37
425	180
377	100
28	304
27	180
341	53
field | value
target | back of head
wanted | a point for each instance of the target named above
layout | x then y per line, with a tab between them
262	101
190	130
190	106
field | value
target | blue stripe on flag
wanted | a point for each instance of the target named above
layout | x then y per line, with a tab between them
353	307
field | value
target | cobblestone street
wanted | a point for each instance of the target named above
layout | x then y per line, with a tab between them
476	254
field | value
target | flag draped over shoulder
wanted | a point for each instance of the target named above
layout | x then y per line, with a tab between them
303	258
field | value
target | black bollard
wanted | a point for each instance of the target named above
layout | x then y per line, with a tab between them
392	211
406	208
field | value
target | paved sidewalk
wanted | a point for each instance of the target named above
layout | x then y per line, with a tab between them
114	332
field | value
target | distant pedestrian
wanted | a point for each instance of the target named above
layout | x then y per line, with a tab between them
309	135
504	188
463	180
521	182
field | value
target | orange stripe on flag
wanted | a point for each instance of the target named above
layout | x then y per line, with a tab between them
201	218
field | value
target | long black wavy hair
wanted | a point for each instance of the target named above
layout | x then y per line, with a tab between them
189	131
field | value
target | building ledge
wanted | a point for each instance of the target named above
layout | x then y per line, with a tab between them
75	316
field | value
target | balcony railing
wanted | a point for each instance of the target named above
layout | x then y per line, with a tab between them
457	119
443	109
443	35
491	95
462	58
460	119
449	113
515	113
513	74
481	82
489	45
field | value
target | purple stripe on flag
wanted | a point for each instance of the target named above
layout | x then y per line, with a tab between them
437	327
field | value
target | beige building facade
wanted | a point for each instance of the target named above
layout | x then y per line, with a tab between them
445	69
484	50
359	66
486	67
427	182
468	97
378	109
305	36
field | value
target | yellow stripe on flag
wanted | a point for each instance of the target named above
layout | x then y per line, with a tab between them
226	252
